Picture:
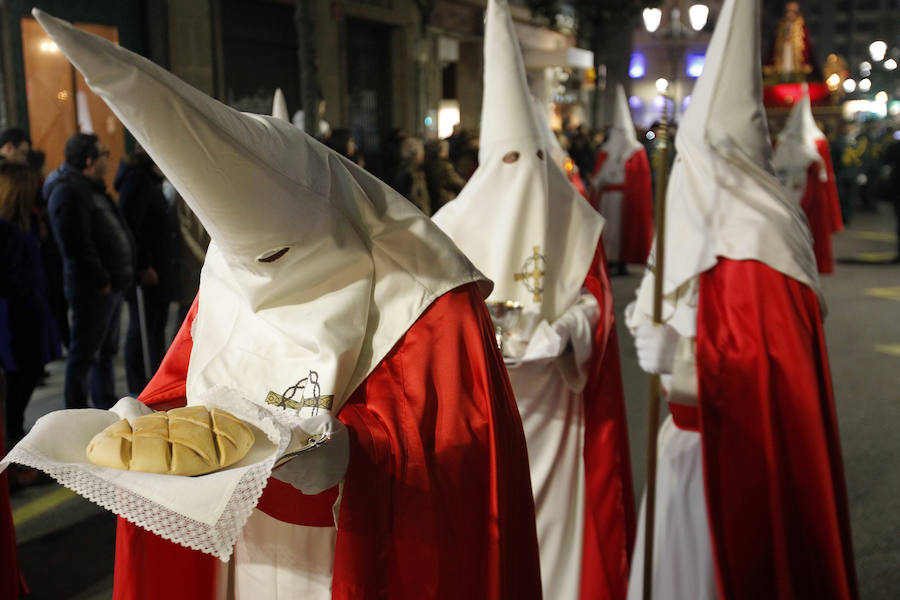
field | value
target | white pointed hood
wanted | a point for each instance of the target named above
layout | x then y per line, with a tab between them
797	147
620	145
354	263
723	196
520	220
548	137
279	106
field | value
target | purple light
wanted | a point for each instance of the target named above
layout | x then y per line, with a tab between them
635	103
695	64
637	68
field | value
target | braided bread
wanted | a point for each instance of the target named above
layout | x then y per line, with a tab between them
183	441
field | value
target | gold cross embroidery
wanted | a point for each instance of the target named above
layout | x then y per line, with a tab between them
536	273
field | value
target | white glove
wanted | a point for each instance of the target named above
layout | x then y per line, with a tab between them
321	467
655	345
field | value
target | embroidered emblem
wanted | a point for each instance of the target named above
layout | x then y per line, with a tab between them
310	396
532	273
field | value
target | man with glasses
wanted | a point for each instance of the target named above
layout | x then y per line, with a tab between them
98	265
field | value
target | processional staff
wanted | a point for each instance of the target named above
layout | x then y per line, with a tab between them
661	166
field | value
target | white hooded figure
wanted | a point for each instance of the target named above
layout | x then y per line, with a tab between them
314	281
803	164
621	188
279	106
525	226
723	200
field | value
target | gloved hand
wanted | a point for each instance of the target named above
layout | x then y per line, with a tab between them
655	345
315	470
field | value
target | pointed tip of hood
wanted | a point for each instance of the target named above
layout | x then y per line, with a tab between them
279	106
801	122
726	111
506	112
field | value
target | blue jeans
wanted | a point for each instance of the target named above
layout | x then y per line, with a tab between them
94	342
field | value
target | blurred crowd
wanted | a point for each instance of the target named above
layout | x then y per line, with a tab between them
72	256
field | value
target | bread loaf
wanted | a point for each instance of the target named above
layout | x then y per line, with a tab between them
183	441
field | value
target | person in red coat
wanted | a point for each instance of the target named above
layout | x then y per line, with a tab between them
318	270
622	190
751	500
803	163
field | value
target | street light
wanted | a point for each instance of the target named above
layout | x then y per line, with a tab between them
865	68
877	50
881	97
849	85
662	84
890	64
865	85
652	19
698	13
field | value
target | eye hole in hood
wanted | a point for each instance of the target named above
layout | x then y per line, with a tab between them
272	256
511	157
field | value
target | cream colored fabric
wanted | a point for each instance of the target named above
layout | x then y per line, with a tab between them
683	564
183	441
620	145
723	198
279	560
514	216
548	137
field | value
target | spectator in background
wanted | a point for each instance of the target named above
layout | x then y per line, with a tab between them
342	142
391	154
30	338
580	150
410	180
50	257
98	266
156	233
444	183
465	157
14	145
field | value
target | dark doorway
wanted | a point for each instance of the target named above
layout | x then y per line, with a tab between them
369	88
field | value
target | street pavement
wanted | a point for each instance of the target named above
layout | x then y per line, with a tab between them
66	544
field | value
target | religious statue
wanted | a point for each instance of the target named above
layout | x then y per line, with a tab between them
791	57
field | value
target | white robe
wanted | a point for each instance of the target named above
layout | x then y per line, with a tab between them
548	381
683	567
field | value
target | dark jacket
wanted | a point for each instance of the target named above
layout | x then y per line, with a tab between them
28	337
153	223
93	238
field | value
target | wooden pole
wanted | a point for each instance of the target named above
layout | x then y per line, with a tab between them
662	170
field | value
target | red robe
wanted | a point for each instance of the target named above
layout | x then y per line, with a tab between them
437	497
12	583
772	463
636	235
823	209
609	523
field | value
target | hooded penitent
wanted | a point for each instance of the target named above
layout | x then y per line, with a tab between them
524	225
505	219
803	163
723	198
555	150
751	500
319	271
301	239
279	106
622	190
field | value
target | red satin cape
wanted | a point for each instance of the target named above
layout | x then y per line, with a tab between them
636	236
823	209
437	497
772	463
609	521
12	582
